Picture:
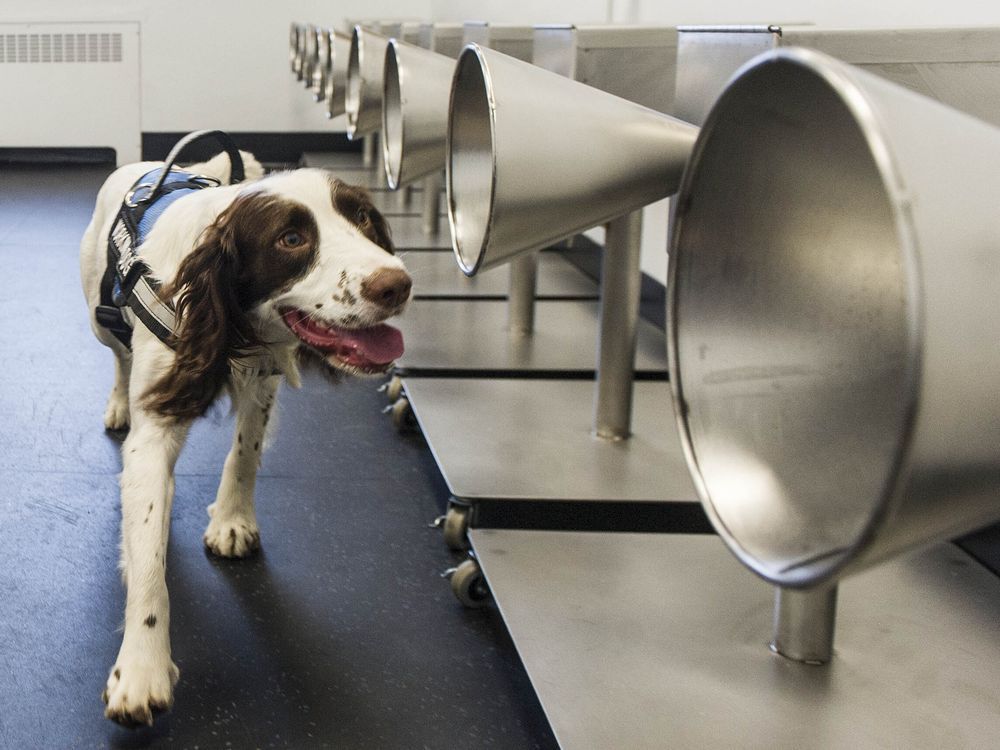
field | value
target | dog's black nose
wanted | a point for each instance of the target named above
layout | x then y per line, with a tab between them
387	287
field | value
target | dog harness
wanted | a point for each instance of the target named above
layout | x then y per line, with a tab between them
128	287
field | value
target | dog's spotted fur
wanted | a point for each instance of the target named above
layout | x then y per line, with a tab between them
231	259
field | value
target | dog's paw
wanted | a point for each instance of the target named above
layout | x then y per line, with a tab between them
136	692
116	414
233	537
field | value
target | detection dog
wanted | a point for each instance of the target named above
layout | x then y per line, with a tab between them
256	273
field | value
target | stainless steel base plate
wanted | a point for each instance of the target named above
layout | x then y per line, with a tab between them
511	440
651	641
438	275
471	336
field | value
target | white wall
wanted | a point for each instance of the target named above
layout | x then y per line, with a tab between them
849	13
216	63
678	12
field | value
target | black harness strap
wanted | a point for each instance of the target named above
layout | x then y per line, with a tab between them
127	281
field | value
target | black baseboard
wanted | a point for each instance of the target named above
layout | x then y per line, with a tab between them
573	515
586	255
283	148
57	156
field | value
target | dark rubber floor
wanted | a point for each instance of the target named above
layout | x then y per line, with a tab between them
339	634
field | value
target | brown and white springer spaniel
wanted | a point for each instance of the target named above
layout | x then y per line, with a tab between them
255	271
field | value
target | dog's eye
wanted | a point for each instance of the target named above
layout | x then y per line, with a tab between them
291	239
362	216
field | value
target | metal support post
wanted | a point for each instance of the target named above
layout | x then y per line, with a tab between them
620	287
521	301
804	622
369	148
432	203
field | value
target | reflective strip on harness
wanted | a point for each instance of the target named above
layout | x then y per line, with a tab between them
132	284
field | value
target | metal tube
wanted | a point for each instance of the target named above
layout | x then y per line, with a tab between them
751	313
804	623
432	203
368	148
620	287
521	298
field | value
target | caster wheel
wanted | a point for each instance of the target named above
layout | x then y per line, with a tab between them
402	415
468	584
455	527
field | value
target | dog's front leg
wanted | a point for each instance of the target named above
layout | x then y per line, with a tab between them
116	413
232	530
143	676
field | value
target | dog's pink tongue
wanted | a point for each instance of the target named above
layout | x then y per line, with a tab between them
380	344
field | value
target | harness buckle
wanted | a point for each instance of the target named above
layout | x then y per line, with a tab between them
132	202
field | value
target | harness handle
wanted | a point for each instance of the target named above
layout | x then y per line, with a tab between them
236	173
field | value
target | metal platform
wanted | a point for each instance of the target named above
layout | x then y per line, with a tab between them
353	160
408	234
470	336
349	167
393	203
530	440
650	641
438	275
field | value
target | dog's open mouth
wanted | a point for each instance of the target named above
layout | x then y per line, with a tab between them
371	350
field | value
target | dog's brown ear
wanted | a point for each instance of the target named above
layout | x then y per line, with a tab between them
355	204
211	324
380	230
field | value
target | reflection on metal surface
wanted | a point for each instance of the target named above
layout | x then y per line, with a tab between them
416	83
364	82
335	88
534	157
832	305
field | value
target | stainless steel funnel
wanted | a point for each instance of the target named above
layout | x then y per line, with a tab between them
310	55
335	92
294	32
321	69
417	85
366	61
832	318
533	157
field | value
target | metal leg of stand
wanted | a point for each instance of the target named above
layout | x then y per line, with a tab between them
521	301
804	623
432	203
369	146
620	287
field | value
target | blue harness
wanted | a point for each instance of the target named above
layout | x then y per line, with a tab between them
127	281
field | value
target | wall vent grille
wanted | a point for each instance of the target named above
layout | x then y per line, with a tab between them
61	48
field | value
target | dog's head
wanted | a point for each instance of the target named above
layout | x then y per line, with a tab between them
297	258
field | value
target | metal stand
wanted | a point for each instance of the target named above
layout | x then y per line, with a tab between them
521	303
471	337
620	286
369	151
659	640
804	623
431	211
506	441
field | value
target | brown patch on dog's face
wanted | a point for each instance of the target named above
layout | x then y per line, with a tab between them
277	240
355	205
